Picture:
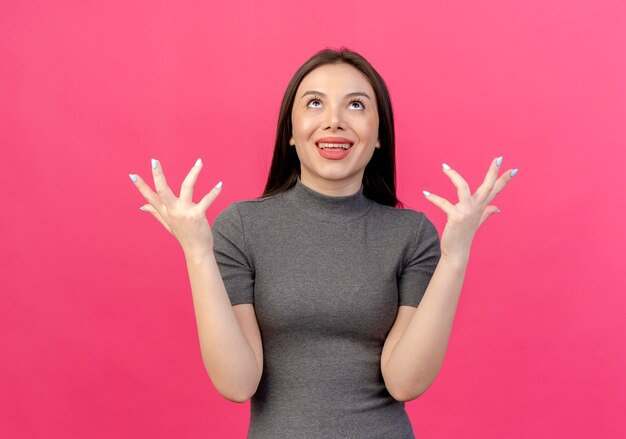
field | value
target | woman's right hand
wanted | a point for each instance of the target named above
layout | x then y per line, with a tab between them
186	221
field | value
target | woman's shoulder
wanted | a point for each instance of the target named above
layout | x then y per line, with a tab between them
403	217
400	213
237	210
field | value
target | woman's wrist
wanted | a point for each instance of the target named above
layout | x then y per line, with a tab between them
198	254
459	260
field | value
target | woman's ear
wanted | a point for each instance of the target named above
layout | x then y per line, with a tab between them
377	143
291	141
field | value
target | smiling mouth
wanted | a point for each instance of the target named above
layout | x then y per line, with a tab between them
324	145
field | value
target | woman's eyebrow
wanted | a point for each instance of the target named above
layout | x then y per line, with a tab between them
349	95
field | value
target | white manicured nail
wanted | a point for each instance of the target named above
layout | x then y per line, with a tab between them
445	166
219	185
426	193
198	162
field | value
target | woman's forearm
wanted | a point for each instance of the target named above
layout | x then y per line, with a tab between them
417	357
227	355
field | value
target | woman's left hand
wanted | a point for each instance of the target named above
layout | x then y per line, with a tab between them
471	211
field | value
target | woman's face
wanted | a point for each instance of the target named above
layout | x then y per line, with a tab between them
334	104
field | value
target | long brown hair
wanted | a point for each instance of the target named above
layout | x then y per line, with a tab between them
379	177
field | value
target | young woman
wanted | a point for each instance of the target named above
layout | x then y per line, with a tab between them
306	298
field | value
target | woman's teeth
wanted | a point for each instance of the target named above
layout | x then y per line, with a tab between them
334	145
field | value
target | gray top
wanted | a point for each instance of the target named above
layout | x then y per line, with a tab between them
326	276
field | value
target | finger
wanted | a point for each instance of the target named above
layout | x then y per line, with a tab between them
210	197
147	192
500	183
485	188
186	190
462	188
442	203
487	213
165	193
153	211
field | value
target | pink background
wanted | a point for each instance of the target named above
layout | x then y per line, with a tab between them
97	329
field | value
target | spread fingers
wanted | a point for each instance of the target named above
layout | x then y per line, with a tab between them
186	189
162	189
462	188
147	192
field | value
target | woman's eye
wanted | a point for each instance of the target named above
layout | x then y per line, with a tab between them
316	103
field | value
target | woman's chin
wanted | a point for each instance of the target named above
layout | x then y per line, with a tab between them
335	175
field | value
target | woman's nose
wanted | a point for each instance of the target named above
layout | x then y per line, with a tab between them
334	118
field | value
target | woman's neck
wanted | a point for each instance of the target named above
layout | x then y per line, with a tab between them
332	188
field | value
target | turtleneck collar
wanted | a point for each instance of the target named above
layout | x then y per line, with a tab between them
326	207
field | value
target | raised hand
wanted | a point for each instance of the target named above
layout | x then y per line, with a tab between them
471	211
185	220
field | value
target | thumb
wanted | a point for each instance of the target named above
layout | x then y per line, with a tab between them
155	213
487	213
